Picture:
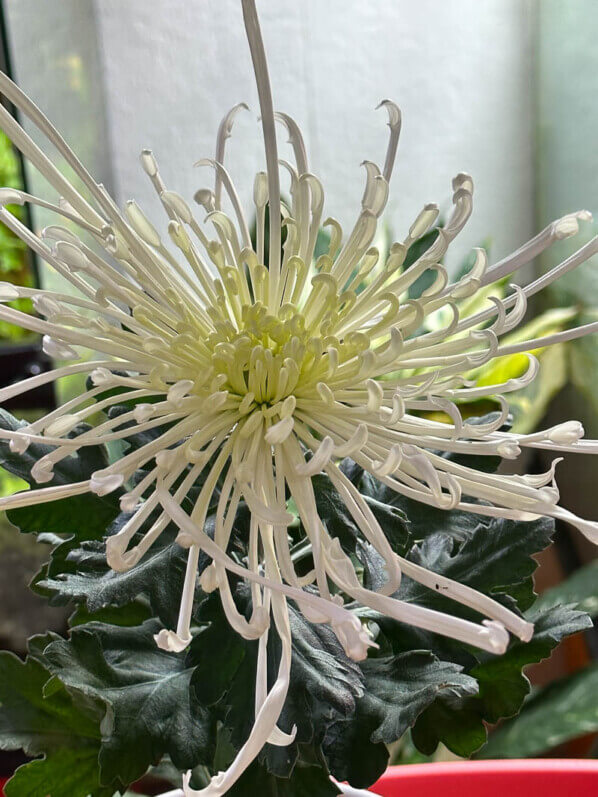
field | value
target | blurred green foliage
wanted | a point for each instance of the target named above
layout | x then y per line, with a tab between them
565	709
15	265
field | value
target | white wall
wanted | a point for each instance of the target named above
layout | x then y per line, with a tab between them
567	130
171	68
55	56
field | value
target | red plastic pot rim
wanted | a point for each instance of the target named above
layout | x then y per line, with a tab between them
550	777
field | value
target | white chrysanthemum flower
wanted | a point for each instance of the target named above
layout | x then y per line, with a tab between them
264	375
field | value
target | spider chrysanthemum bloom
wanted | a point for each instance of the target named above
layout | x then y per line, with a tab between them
256	376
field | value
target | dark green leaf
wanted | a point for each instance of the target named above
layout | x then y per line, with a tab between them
503	687
496	558
421	519
562	711
39	715
307	781
84	576
38	643
37	724
340	523
151	712
397	690
351	754
324	682
84	515
131	614
216	654
73	468
66	773
458	725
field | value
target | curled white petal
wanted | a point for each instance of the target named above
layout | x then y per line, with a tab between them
102	377
20	442
143	412
171	641
566	433
279	432
105	483
319	460
57	349
178	391
43	470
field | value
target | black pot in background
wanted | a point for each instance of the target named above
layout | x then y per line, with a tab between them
20	361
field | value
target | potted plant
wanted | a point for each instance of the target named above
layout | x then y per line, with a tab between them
279	558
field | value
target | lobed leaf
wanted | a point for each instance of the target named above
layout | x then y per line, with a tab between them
151	710
41	716
564	710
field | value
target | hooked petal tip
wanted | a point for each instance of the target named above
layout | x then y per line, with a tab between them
171	641
394	112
